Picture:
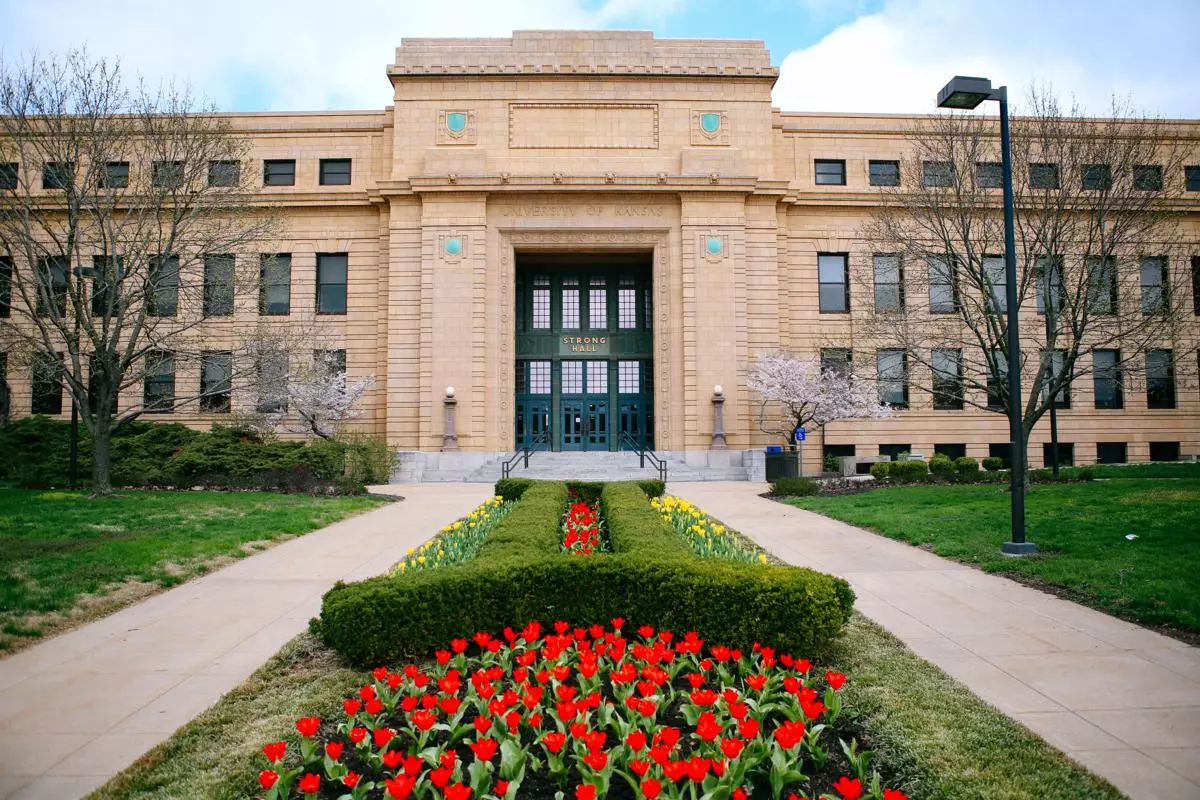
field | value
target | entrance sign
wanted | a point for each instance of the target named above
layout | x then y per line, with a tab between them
583	344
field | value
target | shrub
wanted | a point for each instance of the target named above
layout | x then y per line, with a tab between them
966	466
880	470
941	465
1086	473
653	487
795	487
368	459
1041	476
910	471
993	464
512	488
833	463
519	576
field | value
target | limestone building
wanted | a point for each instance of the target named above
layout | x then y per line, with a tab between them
584	233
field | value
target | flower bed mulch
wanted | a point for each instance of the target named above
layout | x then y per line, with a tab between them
583	713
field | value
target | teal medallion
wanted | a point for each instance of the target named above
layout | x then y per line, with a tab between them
456	121
714	245
710	122
453	246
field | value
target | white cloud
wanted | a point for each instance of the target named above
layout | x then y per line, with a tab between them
286	54
896	59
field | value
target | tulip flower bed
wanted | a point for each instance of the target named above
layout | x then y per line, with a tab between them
459	541
703	534
582	528
583	713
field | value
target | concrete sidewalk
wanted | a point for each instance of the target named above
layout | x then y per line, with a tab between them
81	707
1120	699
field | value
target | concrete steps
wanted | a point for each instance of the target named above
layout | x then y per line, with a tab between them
479	467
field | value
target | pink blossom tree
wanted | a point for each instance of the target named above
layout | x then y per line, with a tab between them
797	392
320	398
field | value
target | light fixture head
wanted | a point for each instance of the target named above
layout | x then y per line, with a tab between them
964	92
717	389
449	391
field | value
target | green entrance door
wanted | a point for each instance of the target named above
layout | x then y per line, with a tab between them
583	369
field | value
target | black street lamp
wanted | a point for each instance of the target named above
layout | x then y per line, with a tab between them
967	93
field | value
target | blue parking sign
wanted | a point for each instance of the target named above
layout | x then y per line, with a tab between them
800	434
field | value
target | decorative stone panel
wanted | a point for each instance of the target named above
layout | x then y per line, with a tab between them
456	127
710	127
452	247
583	126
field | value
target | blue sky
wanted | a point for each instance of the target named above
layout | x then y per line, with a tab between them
835	55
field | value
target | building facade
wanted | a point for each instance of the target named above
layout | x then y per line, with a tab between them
585	233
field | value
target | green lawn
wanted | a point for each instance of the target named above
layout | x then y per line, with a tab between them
1080	530
58	550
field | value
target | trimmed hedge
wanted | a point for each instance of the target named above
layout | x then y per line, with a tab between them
795	487
519	575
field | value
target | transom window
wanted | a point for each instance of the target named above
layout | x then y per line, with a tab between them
541	302
572	377
627	303
539	377
570	303
598	303
629	377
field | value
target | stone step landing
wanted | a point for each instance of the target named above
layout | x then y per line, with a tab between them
725	465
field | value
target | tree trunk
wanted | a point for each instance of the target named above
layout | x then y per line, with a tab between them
101	458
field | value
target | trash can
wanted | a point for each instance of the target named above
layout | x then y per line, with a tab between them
781	463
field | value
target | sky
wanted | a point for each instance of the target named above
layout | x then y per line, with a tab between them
871	56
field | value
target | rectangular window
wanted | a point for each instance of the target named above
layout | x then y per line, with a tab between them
1160	379
53	272
946	366
889	283
597	303
1195	286
115	175
997	381
9	171
164	287
1148	177
837	451
1043	176
46	374
1002	451
1111	453
1164	451
218	286
647	308
996	274
1096	177
275	285
1056	371
597	377
335	172
937	174
1066	454
279	172
58	174
884	173
950	451
539	377
1191	178
1154	285
330	362
834	282
1102	285
943	288
626	303
892	367
1049	273
893	451
572	377
830	172
106	285
158	386
541	302
272	384
570	303
167	174
837	360
224	173
6	266
216	381
1107	379
332	270
989	175
628	377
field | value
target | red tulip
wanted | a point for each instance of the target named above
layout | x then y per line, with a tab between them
358	734
756	682
894	794
308	726
458	791
424	720
836	679
400	787
639	766
392	759
636	740
351	707
596	761
274	752
267	778
554	741
374	706
484	749
585	791
849	789
704	697
382	736
651	788
334	750
351	779
309	784
732	747
739	794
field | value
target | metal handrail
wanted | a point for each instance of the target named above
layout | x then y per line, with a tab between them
523	454
643	453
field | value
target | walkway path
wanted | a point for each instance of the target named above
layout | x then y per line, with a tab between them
79	708
1120	699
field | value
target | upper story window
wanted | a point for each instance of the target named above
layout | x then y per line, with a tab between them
1191	178
275	285
541	303
1106	379
216	381
597	303
892	369
1195	285
1148	177
995	273
1049	273
115	175
332	270
830	172
1096	177
53	274
946	366
8	174
937	174
167	174
279	172
989	175
834	282
158	384
1160	379
218	286
335	172
1102	285
1155	299
889	282
884	173
224	173
46	373
1043	176
997	379
57	174
164	287
6	266
838	360
943	288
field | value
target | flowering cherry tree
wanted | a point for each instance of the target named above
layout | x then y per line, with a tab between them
321	398
797	392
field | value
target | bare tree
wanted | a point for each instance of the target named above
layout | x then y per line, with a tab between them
130	231
796	392
1099	255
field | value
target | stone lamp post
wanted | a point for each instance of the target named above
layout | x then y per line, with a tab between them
449	438
718	436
